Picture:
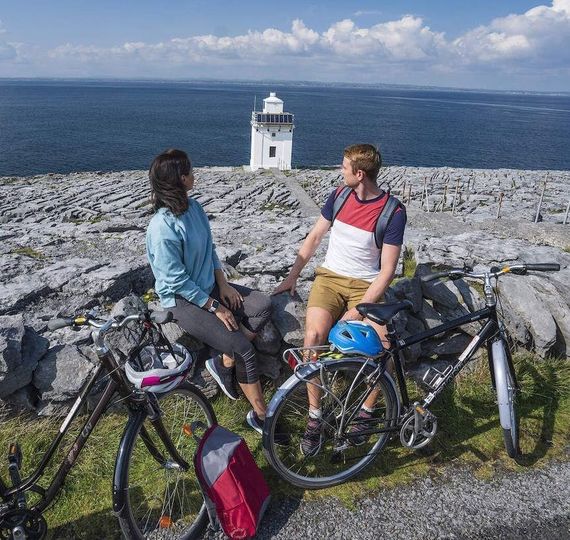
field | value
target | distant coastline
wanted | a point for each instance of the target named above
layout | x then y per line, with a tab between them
281	82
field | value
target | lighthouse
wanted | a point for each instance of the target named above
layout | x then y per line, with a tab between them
271	136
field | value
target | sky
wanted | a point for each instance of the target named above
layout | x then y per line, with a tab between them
498	44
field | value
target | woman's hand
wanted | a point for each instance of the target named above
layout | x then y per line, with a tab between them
230	297
288	284
227	317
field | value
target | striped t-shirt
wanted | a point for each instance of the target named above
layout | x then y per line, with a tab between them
352	250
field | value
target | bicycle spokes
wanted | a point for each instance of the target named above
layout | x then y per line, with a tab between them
419	429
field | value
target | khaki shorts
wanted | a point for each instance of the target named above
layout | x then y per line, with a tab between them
336	293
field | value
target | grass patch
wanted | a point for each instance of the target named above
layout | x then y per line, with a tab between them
275	207
92	220
409	263
567	249
469	435
28	252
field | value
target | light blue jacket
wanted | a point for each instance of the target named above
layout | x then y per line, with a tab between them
182	255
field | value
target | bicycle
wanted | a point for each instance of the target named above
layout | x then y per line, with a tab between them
155	490
349	444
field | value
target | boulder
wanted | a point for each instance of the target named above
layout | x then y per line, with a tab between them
429	316
269	366
29	287
268	339
20	350
414	326
521	297
559	309
409	289
22	400
452	345
62	371
439	291
288	316
470	297
448	314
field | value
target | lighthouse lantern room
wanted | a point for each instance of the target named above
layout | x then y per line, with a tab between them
271	136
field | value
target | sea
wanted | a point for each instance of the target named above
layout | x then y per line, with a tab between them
61	126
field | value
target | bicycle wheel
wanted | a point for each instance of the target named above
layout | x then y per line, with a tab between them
339	457
506	398
154	497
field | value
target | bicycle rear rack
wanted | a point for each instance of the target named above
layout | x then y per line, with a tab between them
301	355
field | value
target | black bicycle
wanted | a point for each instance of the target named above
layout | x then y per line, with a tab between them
349	443
155	490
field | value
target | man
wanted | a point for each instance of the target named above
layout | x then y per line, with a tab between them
355	269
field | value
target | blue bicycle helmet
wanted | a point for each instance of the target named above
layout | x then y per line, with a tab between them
355	337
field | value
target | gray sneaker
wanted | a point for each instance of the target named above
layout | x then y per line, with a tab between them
363	422
223	376
281	436
313	437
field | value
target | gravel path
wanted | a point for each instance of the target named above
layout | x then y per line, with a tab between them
458	506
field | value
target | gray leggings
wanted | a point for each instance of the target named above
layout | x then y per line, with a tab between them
205	326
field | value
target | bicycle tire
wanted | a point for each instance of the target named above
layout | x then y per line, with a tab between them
289	408
157	501
506	398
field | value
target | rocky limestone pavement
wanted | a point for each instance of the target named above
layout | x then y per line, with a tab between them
76	242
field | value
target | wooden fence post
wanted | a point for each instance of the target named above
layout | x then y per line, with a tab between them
500	204
455	197
540	202
444	198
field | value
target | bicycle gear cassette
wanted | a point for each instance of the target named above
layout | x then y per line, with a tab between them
419	429
17	524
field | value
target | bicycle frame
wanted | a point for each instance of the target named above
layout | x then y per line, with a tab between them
30	483
137	402
483	337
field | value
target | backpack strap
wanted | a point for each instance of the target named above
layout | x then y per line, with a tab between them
392	204
339	200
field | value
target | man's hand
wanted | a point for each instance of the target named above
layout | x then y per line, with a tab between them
230	297
352	315
227	317
288	284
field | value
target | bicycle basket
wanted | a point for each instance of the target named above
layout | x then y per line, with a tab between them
158	368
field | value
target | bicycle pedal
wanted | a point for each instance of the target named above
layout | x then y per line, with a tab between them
15	455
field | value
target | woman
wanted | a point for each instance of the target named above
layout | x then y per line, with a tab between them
190	282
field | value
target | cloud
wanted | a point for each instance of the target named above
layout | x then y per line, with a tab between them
365	12
405	39
402	50
7	50
541	37
402	40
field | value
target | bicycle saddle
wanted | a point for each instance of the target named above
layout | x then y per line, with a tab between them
382	313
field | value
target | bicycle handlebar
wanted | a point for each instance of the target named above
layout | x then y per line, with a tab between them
517	269
543	267
55	324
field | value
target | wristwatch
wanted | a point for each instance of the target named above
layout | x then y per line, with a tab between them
214	307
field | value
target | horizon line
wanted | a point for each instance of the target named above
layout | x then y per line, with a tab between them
251	82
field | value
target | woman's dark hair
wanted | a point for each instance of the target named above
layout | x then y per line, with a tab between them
166	184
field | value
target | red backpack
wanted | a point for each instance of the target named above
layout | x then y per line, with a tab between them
234	489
